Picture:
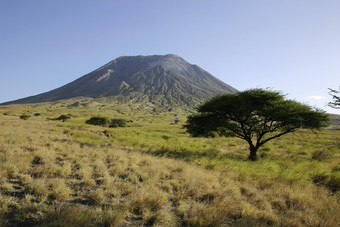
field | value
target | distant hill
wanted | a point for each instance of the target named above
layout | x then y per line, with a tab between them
162	80
334	122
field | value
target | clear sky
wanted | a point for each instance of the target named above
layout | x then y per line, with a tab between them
290	45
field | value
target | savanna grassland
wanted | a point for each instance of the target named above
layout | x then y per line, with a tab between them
152	173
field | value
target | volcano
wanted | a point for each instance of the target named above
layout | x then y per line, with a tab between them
168	78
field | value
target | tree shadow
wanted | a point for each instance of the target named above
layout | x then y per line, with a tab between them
187	155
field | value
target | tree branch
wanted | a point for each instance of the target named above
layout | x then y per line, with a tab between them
278	135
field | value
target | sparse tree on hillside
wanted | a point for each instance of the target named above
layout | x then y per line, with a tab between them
336	99
102	121
256	116
64	117
106	122
24	116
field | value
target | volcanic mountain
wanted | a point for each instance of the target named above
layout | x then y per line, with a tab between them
169	79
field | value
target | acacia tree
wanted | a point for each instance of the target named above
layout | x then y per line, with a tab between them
336	99
256	116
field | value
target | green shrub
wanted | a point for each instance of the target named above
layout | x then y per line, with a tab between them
102	121
106	122
24	116
117	123
63	117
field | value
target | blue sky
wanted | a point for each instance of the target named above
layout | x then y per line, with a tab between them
291	45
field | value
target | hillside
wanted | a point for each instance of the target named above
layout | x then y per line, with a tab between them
168	80
334	122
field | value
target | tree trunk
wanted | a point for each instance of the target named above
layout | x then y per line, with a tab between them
253	155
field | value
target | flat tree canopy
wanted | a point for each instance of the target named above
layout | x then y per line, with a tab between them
64	117
256	116
102	121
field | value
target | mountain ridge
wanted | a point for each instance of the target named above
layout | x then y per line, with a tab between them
156	75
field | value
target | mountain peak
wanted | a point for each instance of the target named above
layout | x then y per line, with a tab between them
169	77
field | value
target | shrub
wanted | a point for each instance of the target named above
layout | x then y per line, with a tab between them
24	116
106	122
102	121
63	117
117	123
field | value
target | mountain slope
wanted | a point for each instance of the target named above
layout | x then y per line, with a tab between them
168	77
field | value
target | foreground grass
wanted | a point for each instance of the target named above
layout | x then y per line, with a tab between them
154	174
300	157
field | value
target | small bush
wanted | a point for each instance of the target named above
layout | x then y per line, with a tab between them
102	121
24	116
63	117
117	123
106	122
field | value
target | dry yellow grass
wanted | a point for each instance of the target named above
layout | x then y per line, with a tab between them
53	176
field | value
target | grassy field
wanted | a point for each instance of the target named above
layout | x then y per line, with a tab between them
152	173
